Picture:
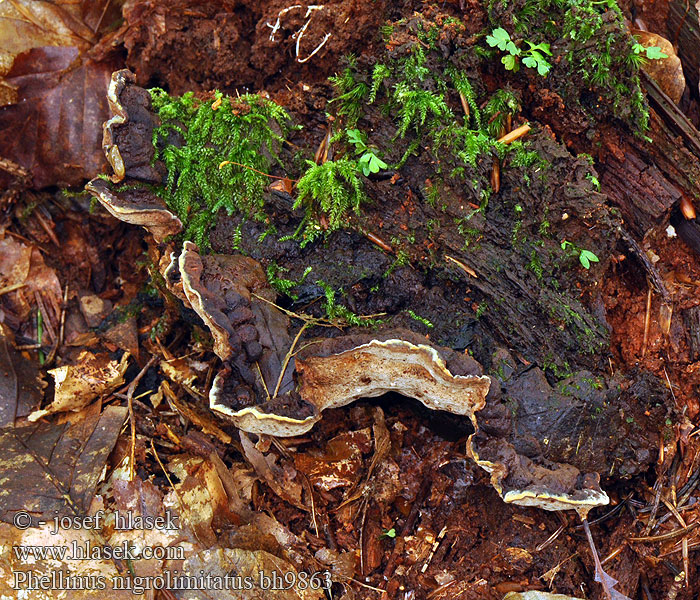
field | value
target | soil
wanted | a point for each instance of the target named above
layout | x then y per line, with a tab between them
635	425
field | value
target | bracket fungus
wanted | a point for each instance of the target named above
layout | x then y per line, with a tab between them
127	138
136	205
273	383
274	390
128	145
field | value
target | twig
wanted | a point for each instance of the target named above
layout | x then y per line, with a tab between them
550	539
596	560
46	320
647	321
288	357
132	422
666	536
465	107
377	241
517	133
461	265
11	288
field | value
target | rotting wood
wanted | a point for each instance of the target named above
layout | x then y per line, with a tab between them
691	320
684	33
647	180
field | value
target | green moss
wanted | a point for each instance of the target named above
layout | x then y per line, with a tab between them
352	92
592	38
218	163
420	319
283	285
332	189
339	314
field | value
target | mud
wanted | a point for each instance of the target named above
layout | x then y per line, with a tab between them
244	45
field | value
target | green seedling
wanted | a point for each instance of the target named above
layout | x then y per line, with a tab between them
651	52
368	162
585	257
533	56
388	533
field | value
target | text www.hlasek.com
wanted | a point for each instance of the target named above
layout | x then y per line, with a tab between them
89	551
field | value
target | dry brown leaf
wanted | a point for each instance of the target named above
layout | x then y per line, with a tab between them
251	566
666	72
55	128
21	386
280	480
11	567
200	497
43	464
27	24
78	385
340	464
23	267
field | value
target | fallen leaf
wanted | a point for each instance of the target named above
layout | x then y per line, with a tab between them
666	72
252	566
45	464
200	497
78	385
21	386
280	480
27	24
283	185
22	267
341	462
55	128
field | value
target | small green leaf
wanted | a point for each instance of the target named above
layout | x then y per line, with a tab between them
355	137
530	61
498	37
376	164
655	53
586	258
388	533
510	63
543	47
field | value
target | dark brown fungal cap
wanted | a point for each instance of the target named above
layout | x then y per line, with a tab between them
128	136
138	205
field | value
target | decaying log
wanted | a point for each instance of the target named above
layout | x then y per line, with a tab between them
684	33
691	320
647	179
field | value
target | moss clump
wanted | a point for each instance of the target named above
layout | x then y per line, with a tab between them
216	152
332	189
595	45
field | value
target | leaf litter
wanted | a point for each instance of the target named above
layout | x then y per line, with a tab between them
327	498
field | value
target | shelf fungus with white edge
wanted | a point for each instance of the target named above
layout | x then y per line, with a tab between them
127	138
269	386
136	205
128	145
273	383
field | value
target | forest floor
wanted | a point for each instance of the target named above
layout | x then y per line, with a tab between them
357	155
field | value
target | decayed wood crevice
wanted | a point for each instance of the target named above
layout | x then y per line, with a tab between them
646	180
684	32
